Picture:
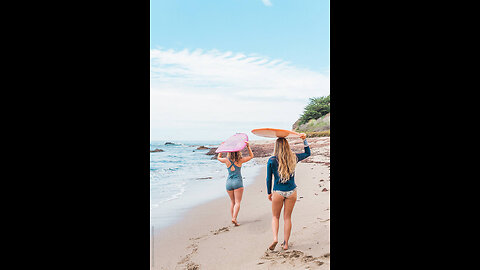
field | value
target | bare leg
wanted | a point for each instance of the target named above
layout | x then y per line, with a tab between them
232	201
238	198
277	204
287	217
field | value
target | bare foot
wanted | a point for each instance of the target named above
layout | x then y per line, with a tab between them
284	245
234	221
273	245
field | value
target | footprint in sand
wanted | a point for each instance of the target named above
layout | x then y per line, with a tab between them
192	266
198	238
293	257
184	259
224	229
189	265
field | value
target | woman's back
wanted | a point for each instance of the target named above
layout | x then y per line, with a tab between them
236	173
272	169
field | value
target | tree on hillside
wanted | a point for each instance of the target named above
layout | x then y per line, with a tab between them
317	108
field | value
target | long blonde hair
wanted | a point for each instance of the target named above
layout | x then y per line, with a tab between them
287	160
235	156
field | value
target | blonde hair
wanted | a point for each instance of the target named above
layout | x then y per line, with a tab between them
235	156
287	160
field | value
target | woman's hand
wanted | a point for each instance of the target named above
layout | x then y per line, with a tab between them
219	158
303	136
250	153
270	196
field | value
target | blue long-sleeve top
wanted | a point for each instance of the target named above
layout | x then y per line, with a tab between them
272	168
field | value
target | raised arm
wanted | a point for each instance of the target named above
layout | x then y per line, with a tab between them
307	153
219	158
245	159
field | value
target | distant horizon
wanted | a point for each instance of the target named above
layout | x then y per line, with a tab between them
250	138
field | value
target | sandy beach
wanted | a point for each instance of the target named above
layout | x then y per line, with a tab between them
206	239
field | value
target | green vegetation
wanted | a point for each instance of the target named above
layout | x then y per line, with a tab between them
325	133
317	108
315	120
313	124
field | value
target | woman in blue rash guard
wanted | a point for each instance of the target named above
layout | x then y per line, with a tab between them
282	167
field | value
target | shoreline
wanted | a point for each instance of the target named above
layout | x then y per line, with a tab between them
205	238
213	187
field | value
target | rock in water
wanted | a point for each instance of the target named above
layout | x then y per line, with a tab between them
204	178
212	152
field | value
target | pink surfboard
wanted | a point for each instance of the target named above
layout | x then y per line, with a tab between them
233	144
275	133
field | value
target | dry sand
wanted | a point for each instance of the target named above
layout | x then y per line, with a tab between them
206	238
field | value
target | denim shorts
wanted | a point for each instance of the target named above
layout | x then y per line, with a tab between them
234	183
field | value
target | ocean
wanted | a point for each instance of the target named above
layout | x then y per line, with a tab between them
182	177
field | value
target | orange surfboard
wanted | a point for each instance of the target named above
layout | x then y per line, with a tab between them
275	133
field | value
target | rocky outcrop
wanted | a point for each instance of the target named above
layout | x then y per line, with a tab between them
202	148
314	125
167	143
320	149
295	125
212	152
156	150
258	150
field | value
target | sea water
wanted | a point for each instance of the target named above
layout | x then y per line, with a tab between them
182	177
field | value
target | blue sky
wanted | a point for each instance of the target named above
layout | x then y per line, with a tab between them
220	67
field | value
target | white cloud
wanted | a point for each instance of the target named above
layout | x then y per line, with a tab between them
267	3
226	91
